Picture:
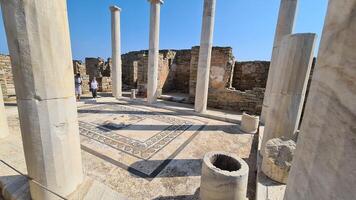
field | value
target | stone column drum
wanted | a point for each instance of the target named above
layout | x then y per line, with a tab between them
202	87
116	52
4	128
285	26
224	176
39	43
324	165
292	67
249	123
152	72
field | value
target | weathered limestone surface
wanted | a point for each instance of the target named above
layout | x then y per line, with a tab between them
38	39
250	74
152	72
285	26
292	67
224	176
278	158
4	128
325	162
206	44
249	123
116	52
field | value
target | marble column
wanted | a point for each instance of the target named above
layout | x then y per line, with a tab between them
152	72
324	165
285	26
38	38
206	42
116	52
4	128
292	67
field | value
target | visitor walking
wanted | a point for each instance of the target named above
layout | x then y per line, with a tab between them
94	87
78	86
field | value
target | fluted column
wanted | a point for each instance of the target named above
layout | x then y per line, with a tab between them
292	66
202	87
324	165
152	72
285	26
116	52
39	43
4	128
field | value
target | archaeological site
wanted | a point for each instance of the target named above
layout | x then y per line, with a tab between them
176	123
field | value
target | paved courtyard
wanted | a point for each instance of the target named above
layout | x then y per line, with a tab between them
143	152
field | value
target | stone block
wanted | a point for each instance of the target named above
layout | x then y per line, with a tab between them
277	159
249	123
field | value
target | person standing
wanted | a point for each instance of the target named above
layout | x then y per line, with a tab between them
78	86
94	87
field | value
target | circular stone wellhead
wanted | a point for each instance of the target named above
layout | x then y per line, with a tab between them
224	177
249	123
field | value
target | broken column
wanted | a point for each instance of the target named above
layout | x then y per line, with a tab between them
116	52
152	71
224	176
324	163
285	26
39	43
292	67
206	42
4	128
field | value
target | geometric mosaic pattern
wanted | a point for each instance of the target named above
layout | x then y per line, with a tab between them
141	141
144	150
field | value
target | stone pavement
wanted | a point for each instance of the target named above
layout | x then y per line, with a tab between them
140	151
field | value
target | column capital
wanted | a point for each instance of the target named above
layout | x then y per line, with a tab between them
114	8
156	1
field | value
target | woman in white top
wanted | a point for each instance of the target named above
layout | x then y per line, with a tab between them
94	87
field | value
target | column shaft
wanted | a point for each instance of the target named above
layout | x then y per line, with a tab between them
4	128
285	26
202	87
324	163
116	52
292	67
152	72
39	43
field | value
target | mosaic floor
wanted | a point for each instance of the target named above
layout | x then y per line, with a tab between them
141	141
143	152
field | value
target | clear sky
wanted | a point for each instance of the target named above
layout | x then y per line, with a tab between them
246	25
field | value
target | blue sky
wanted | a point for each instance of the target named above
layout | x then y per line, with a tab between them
246	25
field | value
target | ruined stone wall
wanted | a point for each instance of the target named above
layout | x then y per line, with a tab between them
79	67
135	65
251	74
101	70
222	63
6	76
180	69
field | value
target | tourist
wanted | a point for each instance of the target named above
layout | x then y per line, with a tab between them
94	87
78	86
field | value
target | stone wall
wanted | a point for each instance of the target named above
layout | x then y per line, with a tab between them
79	67
135	70
6	76
101	70
235	86
181	70
251	74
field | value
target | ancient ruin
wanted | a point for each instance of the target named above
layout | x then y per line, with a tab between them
193	123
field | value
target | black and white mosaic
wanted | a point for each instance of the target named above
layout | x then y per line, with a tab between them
106	132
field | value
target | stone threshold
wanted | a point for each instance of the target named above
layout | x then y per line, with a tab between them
266	189
15	186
